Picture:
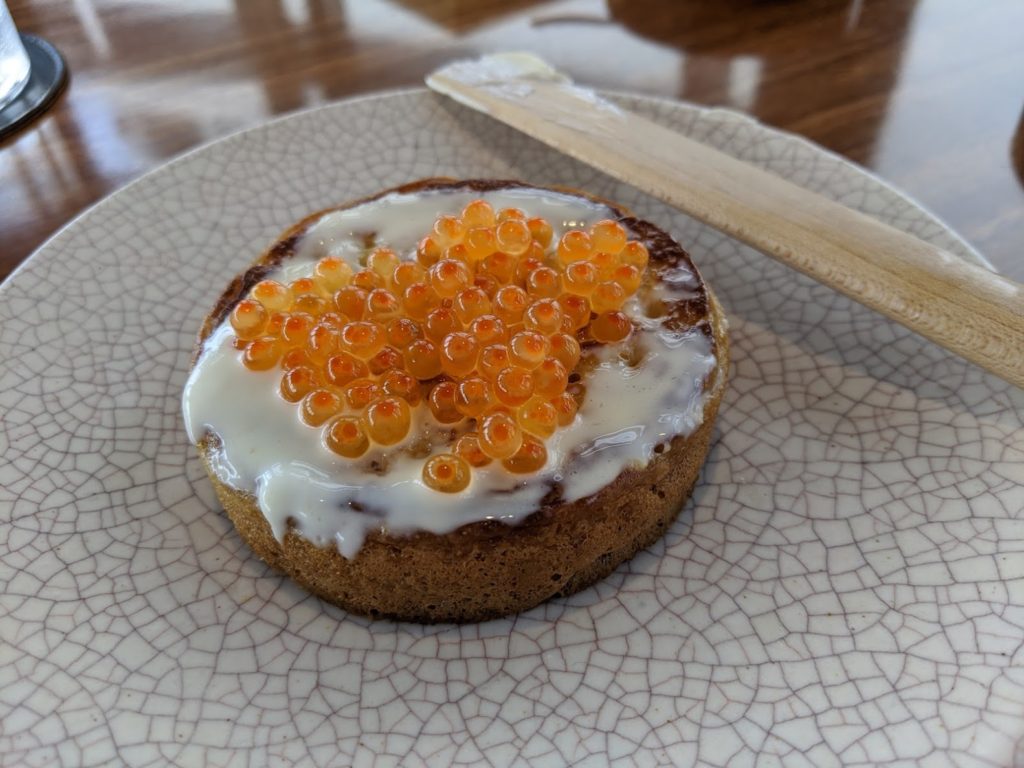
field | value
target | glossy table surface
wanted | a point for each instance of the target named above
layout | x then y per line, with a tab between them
928	94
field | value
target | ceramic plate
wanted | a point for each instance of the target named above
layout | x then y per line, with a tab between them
846	586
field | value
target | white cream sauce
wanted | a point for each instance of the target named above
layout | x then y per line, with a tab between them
266	449
498	68
514	77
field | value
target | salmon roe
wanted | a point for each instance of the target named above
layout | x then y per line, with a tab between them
477	330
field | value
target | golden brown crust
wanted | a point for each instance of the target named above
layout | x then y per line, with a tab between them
489	569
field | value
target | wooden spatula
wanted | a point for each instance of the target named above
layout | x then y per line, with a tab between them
965	308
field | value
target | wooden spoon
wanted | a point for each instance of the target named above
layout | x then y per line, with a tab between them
967	309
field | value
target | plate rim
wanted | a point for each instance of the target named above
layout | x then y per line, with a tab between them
699	111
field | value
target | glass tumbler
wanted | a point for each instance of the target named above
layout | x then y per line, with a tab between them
14	64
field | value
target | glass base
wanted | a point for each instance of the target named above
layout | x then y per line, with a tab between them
46	77
16	89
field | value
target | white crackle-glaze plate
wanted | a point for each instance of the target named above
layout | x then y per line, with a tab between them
846	586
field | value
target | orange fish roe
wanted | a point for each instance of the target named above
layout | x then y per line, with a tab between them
343	369
500	436
470	304
608	237
446	473
428	252
635	253
311	305
500	266
382	305
402	332
448	277
531	456
607	297
480	327
487	284
459	352
574	246
363	339
513	385
628	277
442	402
361	392
543	316
423	360
480	243
382	261
605	264
333	319
457	252
319	405
388	420
550	379
488	330
536	255
293	358
528	349
474	396
248	319
611	327
538	417
448	231
468	447
510	303
324	341
401	384
418	300
565	407
275	324
513	237
386	360
304	286
580	278
262	354
544	283
272	295
566	350
351	301
575	312
493	358
299	382
540	230
330	274
479	213
367	279
405	274
525	267
440	322
346	436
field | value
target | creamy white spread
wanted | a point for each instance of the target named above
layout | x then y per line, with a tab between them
515	76
263	446
501	68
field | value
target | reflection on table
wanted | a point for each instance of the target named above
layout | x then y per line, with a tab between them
877	82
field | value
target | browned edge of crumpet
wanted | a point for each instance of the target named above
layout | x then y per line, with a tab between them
489	569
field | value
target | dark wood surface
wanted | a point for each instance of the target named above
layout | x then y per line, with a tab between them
928	94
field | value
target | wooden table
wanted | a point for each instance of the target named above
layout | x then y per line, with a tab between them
928	94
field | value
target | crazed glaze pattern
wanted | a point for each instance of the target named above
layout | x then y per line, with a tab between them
846	586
